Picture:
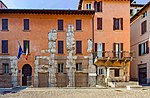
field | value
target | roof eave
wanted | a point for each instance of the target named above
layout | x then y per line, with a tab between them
139	13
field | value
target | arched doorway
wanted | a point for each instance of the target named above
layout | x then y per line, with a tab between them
26	74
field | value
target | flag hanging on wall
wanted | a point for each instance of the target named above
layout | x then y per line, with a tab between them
20	51
27	52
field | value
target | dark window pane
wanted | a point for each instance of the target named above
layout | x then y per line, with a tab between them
4	24
78	25
26	24
99	6
6	67
61	68
116	72
60	25
116	24
78	47
26	45
60	47
4	46
79	67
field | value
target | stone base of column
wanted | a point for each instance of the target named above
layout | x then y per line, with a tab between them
92	79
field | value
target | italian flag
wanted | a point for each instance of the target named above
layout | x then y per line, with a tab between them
27	52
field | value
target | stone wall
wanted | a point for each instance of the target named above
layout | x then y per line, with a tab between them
9	79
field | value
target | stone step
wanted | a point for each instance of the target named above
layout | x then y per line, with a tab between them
131	87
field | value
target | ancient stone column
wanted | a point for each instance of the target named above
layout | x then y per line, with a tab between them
52	37
70	46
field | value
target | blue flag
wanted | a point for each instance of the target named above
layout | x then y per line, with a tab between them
20	51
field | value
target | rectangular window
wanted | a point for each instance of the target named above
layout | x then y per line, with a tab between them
4	24
79	67
60	47
101	71
60	25
144	27
117	72
144	14
26	24
60	68
4	46
6	67
118	50
100	50
144	48
78	47
131	12
26	46
98	6
118	24
99	23
89	6
78	24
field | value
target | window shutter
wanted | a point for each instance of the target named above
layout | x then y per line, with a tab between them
100	3
60	25
95	6
145	26
114	49
78	47
4	24
121	23
114	27
139	49
142	28
121	49
78	25
59	67
147	47
96	47
26	24
60	47
103	47
4	46
99	23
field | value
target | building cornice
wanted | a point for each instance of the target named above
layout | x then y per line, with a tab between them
47	11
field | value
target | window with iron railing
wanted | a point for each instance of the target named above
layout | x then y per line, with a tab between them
118	50
100	49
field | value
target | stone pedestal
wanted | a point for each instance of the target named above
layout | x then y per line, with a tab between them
92	72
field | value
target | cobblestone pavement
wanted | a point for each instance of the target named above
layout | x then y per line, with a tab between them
79	93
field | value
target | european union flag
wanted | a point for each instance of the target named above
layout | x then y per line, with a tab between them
20	51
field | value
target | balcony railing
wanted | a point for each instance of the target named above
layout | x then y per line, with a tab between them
114	54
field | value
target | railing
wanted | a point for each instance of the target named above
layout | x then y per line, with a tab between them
113	54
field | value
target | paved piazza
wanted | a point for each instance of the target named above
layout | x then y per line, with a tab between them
79	93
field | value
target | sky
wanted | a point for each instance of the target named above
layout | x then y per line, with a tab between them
47	4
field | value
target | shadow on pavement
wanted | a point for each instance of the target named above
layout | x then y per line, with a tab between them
13	90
